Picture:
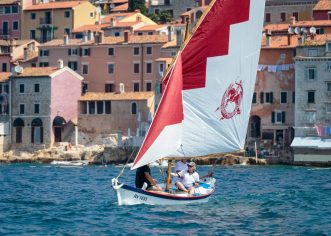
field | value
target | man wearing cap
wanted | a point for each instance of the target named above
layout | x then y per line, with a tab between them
188	178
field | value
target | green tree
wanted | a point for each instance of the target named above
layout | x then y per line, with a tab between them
154	17
165	17
137	4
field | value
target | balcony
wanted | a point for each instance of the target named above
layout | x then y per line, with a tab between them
43	21
5	33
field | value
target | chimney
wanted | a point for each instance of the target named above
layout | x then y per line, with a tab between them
122	88
66	39
60	64
179	37
26	54
90	35
99	37
268	37
127	36
292	20
112	22
170	30
12	43
102	37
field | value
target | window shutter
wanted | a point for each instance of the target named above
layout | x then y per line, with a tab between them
69	51
32	135
273	117
88	51
47	52
80	52
271	97
283	117
261	97
40	53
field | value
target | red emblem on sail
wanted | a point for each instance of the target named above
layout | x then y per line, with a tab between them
230	104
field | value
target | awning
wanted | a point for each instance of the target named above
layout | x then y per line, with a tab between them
311	142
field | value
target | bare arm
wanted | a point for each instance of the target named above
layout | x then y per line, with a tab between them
149	178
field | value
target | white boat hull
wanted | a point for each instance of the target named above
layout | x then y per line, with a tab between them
128	195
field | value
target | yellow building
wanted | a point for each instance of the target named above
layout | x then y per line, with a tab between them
47	21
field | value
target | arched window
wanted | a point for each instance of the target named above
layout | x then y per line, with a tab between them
58	124
18	124
134	108
37	131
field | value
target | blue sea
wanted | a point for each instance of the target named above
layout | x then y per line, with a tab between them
249	200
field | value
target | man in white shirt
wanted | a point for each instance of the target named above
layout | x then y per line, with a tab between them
188	179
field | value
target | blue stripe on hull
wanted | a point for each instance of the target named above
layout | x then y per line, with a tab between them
164	196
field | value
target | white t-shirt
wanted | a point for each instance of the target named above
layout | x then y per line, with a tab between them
189	179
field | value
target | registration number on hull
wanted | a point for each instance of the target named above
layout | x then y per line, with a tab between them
142	198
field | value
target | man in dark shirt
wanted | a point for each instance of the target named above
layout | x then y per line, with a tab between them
143	175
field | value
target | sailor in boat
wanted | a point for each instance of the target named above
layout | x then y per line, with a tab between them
188	179
143	175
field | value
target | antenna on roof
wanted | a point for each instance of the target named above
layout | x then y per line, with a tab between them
312	30
303	30
290	30
297	30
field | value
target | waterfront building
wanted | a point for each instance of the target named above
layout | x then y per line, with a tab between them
108	113
4	112
322	10
10	19
43	106
281	11
50	20
312	143
17	51
193	15
106	62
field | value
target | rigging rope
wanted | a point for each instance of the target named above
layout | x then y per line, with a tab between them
122	171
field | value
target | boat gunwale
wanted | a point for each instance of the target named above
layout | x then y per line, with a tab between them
166	195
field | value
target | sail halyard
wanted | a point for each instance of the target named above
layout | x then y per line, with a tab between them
217	66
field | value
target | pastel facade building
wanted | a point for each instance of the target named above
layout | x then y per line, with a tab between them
174	7
322	9
107	113
106	62
4	112
10	19
312	143
46	21
43	105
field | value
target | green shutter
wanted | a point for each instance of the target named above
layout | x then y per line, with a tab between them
261	97
271	97
283	117
273	117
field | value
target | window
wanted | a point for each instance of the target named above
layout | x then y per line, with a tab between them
319	31
67	31
43	64
86	52
15	25
135	51
84	87
254	97
1	10
32	34
32	16
21	88
136	67
157	11
311	96
148	67
283	97
117	34
312	52
91	14
328	66
67	14
149	86
266	97
328	86
161	67
311	116
72	65
328	46
293	97
107	107
72	52
111	52
7	10
36	88
139	33
4	67
134	108
150	33
283	17
85	69
328	107
296	16
311	73
14	9
99	107
22	109
36	108
110	68
149	51
109	88
91	107
43	53
83	107
135	87
267	17
278	117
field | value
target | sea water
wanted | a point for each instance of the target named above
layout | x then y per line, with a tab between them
249	200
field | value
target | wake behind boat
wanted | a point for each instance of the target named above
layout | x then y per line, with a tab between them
205	106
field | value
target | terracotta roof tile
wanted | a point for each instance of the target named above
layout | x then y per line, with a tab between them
94	28
54	5
90	96
322	5
117	16
151	27
8	2
4	76
37	71
134	39
123	7
284	27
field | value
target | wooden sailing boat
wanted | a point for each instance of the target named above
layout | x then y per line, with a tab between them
206	104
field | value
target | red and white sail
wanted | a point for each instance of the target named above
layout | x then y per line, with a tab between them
206	104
